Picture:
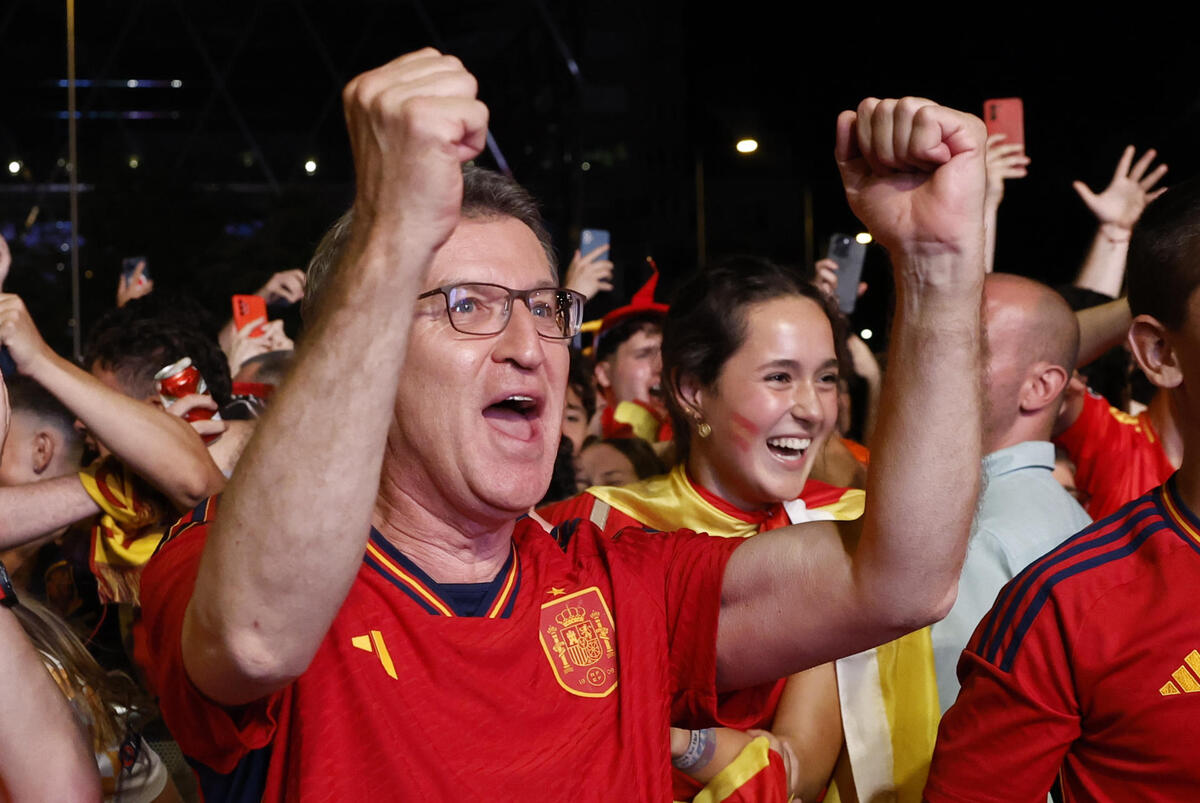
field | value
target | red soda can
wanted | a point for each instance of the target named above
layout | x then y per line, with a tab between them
181	379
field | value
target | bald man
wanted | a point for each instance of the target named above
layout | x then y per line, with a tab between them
1033	340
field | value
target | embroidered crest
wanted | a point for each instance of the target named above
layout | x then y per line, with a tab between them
580	641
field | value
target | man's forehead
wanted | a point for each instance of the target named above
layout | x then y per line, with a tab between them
497	250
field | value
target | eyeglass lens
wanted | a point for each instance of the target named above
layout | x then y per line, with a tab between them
482	309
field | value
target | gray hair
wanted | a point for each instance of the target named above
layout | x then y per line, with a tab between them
486	194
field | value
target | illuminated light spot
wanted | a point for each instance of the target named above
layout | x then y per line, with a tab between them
585	166
176	83
131	83
863	237
310	166
14	166
134	162
866	334
747	145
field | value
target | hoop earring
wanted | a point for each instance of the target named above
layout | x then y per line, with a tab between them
703	429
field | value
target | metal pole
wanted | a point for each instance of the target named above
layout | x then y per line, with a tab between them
701	233
73	178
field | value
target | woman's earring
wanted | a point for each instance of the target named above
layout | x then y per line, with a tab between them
703	429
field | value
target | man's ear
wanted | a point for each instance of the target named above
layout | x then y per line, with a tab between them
44	448
1043	386
1151	345
601	372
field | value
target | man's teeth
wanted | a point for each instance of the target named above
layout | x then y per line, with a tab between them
794	444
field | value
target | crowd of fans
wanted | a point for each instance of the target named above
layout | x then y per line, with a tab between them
697	576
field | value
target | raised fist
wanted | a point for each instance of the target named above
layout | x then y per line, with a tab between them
914	174
412	123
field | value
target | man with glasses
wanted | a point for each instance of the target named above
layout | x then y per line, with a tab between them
368	614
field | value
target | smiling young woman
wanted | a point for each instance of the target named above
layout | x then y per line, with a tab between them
751	353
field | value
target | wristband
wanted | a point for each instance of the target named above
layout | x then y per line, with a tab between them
8	597
701	747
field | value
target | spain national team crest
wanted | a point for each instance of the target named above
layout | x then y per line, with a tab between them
580	641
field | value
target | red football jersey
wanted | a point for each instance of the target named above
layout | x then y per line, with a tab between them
1088	665
560	687
1118	457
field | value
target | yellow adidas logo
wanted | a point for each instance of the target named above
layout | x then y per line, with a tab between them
1186	680
374	643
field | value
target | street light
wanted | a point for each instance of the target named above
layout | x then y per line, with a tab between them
747	145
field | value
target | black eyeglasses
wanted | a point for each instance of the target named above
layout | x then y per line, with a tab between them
484	309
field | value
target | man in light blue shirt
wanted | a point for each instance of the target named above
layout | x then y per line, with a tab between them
1033	340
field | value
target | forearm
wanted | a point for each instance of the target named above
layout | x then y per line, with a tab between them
991	214
44	754
1103	271
924	476
809	719
726	745
160	448
1101	328
293	524
40	509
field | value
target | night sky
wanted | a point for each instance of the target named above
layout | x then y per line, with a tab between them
219	198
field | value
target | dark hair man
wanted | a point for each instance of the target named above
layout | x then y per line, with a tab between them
344	613
150	447
1087	666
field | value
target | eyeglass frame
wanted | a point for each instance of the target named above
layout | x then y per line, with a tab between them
523	295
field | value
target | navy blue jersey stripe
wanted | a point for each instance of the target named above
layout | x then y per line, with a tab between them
477	605
400	584
1098	536
1044	592
245	784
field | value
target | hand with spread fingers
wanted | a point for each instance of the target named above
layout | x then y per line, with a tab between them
1120	204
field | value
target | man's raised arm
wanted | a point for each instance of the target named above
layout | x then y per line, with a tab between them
796	597
293	525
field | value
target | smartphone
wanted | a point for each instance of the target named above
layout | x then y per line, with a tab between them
129	266
7	366
591	239
247	309
849	254
1005	116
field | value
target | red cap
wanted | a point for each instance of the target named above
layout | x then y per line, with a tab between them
642	302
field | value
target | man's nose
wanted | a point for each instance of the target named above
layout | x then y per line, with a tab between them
520	341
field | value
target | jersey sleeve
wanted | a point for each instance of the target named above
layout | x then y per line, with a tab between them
1017	713
695	570
1091	441
217	736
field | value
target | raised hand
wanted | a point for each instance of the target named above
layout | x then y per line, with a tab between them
826	278
21	336
1122	201
286	285
412	123
1005	160
134	285
590	273
5	260
244	346
914	174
